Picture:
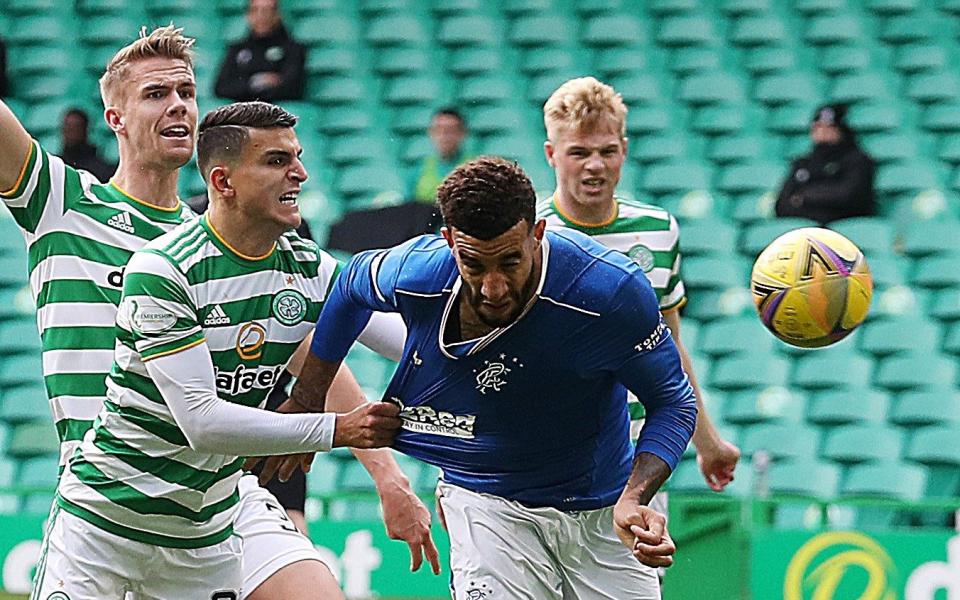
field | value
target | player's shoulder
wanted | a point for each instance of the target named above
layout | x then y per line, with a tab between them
425	264
585	268
301	249
651	214
180	244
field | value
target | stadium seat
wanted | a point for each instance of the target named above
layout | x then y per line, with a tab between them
772	404
749	371
931	237
937	272
671	7
781	441
40	472
467	30
928	88
709	305
892	480
938	449
658	147
736	148
340	120
354	478
804	477
413	89
708	236
861	87
887	270
945	305
713	273
921	56
522	7
906	334
738	8
396	61
547	60
791	118
941	118
709	88
767	60
729	336
679	176
939	405
873	235
720	120
899	373
689	60
853	444
687	478
754	176
787	88
854	406
368	180
611	30
646	120
485	89
638	88
811	8
326	30
498	119
396	30
27	402
950	150
905	177
333	91
833	28
34	438
324	475
413	119
844	58
758	30
818	371
951	342
906	29
618	60
686	31
472	60
759	235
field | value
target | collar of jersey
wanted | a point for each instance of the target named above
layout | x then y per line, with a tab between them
571	222
229	250
150	210
470	347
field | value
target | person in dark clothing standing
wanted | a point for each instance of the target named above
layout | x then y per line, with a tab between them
76	149
268	64
835	180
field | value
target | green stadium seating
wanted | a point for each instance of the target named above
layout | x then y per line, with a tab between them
844	58
916	371
937	406
749	371
892	7
413	89
708	236
39	472
396	30
34	438
781	441
719	120
938	448
854	406
906	177
686	60
937	272
686	31
709	305
688	478
340	120
658	148
546	60
791	118
326	30
376	7
638	88
671	7
754	176
728	336
921	57
787	88
368	180
936	237
709	88
455	7
942	118
933	87
36	29
612	30
645	120
522	7
400	61
945	305
887	270
766	60
679	176
467	30
834	28
893	480
758	30
873	235
804	477
339	90
814	7
414	119
494	89
853	444
354	478
951	341
471	60
858	87
759	235
713	273
890	336
744	7
736	148
950	150
818	371
773	404
541	30
27	402
906	29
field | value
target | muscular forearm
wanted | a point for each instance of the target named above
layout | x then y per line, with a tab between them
648	474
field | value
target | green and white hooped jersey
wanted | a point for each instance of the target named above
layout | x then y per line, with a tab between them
79	233
135	474
650	236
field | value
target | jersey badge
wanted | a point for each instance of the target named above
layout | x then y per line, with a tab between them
250	341
642	255
150	318
491	376
121	221
216	317
290	307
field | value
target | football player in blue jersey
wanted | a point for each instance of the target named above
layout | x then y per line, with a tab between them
521	346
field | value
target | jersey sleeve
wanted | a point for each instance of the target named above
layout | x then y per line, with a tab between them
45	185
156	310
368	283
632	342
674	294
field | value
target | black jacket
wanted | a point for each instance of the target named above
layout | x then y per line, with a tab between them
834	181
276	53
86	157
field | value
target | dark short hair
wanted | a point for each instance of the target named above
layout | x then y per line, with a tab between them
487	196
77	112
223	133
450	111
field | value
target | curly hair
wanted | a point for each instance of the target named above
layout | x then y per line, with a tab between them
487	196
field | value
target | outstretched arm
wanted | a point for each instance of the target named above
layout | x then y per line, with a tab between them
14	148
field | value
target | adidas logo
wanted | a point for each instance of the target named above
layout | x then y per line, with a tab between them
121	221
217	317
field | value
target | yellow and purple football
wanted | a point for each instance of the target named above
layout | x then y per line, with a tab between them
812	287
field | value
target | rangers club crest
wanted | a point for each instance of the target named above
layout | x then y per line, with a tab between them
491	377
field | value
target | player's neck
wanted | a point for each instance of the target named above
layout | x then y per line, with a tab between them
150	186
590	215
243	236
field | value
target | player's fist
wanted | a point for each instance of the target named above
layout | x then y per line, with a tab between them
644	531
368	426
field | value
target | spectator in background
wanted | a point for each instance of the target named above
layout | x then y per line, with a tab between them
4	87
76	149
268	65
448	130
835	180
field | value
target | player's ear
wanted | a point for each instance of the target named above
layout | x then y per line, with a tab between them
114	119
220	180
548	151
626	143
447	236
538	229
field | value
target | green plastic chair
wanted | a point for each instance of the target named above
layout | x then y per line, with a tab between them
951	342
736	148
842	59
891	147
853	406
655	148
547	59
494	89
781	441
938	449
790	118
712	272
342	61
711	88
736	8
861	87
941	118
613	30
335	91
945	305
724	337
719	120
671	7
937	272
39	472
326	30
680	176
892	7
324	475
764	60
907	29
853	444
815	7
543	85
893	480
396	30
686	31
773	404
413	89
931	237
936	406
710	305
27	402
402	61
873	235
638	88
950	150
340	120
37	29
375	7
891	336
921	56
472	60
758	176
514	146
468	30
369	180
749	371
928	88
455	7
912	371
807	477
708	236
822	372
758	30
618	60
356	148
541	30
523	7
886	270
645	120
833	28
687	479
905	177
19	337
688	60
411	120
354	478
759	235
497	119
786	88
34	438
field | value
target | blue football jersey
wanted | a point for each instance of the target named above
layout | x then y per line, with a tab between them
534	411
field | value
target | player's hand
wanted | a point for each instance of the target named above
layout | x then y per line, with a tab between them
644	531
408	519
368	426
717	462
283	466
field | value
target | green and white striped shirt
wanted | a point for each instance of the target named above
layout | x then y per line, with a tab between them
136	475
79	234
647	234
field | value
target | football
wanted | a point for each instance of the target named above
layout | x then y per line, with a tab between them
811	287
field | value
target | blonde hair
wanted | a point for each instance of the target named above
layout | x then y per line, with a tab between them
584	103
165	42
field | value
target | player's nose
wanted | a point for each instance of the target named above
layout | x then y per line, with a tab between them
494	287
